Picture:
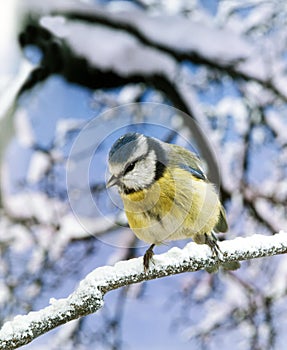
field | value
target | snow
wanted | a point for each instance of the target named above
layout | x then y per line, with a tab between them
281	190
277	218
131	271
198	34
34	204
231	166
39	165
278	124
200	39
235	294
129	93
64	126
254	67
235	107
259	135
256	242
9	51
22	324
13	70
202	288
23	128
37	259
206	41
8	95
219	313
58	23
4	293
280	83
255	18
14	235
132	56
77	228
278	287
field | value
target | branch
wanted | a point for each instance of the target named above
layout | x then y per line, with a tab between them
238	63
88	297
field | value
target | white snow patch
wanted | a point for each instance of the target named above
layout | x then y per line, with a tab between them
8	95
280	83
132	56
235	107
232	153
192	37
21	324
203	288
40	163
258	135
16	235
5	293
129	93
37	259
77	228
255	67
58	23
278	286
219	311
34	204
23	127
64	126
278	124
275	217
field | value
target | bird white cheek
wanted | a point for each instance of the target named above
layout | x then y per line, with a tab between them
143	174
140	178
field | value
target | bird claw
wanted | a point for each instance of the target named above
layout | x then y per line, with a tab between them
211	241
147	258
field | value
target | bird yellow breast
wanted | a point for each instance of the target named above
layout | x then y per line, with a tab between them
155	201
174	207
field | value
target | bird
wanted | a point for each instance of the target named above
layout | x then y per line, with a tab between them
165	193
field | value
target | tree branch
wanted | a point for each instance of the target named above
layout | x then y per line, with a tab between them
88	297
235	66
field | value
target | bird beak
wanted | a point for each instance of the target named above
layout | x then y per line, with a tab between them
113	180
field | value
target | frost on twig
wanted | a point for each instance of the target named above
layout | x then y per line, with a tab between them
88	297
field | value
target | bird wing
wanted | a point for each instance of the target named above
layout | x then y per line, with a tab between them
191	163
221	225
193	170
188	161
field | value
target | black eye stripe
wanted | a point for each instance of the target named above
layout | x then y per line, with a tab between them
129	167
132	164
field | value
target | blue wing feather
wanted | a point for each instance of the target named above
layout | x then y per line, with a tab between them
194	171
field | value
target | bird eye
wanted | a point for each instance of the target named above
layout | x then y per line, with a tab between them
130	167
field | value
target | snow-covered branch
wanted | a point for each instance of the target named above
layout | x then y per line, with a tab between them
239	57
88	297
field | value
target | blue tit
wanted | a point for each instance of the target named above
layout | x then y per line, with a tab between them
165	193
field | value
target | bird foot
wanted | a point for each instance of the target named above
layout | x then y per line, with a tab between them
211	241
148	257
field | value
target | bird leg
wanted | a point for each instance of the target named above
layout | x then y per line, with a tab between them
148	257
211	241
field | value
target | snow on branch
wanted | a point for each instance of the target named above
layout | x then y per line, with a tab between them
239	57
155	38
88	297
